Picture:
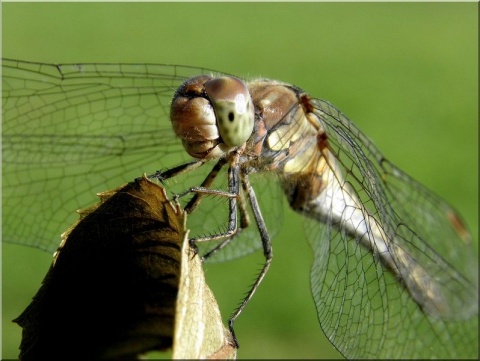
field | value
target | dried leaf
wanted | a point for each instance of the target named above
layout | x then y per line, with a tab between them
199	330
111	291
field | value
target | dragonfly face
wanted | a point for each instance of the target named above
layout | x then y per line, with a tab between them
223	120
394	274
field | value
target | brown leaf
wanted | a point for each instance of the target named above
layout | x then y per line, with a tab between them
199	330
111	291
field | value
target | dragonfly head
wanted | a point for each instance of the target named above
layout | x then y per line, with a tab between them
212	115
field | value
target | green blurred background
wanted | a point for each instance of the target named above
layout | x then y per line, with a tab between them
405	73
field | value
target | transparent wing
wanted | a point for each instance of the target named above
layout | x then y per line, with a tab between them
363	307
71	131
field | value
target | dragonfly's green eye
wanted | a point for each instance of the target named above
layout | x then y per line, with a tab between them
233	109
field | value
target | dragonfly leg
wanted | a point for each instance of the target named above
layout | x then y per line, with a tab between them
162	176
207	182
233	194
267	251
244	223
236	204
204	189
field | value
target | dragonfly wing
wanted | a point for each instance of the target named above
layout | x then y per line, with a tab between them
394	272
70	131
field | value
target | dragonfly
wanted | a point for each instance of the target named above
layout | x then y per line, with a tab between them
394	272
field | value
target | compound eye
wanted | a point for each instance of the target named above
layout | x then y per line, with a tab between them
233	109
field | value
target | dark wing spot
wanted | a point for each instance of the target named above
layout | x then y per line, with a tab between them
231	116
